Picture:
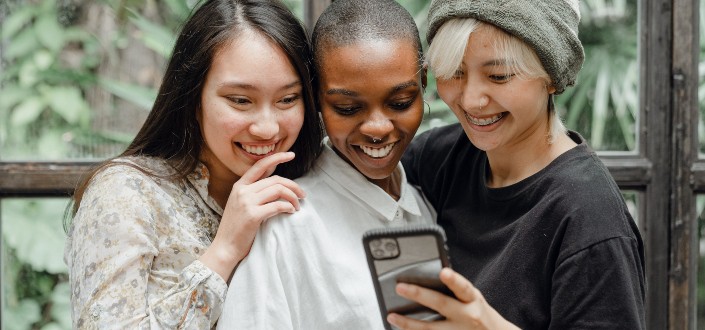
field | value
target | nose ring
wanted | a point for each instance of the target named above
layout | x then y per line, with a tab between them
375	140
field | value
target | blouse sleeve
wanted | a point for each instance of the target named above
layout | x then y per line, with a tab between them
110	251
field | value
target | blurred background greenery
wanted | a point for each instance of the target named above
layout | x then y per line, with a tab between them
78	77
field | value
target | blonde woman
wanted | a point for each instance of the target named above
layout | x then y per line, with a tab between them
537	229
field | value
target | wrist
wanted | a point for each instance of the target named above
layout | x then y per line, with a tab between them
221	259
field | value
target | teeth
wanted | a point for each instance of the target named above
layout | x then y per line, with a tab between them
377	152
484	121
258	150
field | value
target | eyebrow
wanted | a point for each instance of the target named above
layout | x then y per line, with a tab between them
348	92
404	85
496	62
235	84
341	91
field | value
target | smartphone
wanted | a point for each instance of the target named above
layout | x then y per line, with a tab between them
410	254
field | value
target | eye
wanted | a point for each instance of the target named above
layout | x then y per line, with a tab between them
346	110
290	99
501	78
238	99
402	104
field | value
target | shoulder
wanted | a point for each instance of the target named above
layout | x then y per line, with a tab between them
438	140
130	181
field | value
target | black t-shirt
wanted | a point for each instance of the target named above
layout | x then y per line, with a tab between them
557	250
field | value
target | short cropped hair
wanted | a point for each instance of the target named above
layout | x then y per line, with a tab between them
345	22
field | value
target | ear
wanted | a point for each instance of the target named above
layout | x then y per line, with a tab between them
550	88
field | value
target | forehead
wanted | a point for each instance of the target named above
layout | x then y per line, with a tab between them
250	54
367	58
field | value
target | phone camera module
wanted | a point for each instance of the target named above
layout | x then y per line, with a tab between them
384	248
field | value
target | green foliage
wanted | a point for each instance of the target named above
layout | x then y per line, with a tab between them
38	98
35	290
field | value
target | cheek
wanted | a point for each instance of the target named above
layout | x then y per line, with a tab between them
292	121
447	91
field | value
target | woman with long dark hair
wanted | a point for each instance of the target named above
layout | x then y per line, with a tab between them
157	231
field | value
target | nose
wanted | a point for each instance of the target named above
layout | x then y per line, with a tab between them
265	126
473	96
377	125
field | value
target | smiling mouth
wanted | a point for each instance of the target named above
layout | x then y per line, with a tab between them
484	121
258	150
378	152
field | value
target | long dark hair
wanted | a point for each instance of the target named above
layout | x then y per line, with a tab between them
171	130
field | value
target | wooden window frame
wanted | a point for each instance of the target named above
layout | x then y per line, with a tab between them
665	170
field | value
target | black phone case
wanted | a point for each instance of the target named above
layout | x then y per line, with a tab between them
411	254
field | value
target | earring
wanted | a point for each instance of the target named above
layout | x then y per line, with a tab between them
428	107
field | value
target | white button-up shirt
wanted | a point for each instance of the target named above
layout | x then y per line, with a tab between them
308	270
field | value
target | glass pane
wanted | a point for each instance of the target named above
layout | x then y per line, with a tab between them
603	106
633	198
35	290
77	79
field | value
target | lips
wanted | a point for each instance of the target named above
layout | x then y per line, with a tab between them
484	121
258	150
378	152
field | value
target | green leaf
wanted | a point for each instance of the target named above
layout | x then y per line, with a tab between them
141	96
155	37
28	111
43	59
179	7
54	326
35	231
51	145
49	32
29	74
68	102
21	316
61	305
10	95
22	45
16	21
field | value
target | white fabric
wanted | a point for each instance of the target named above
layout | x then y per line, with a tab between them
308	270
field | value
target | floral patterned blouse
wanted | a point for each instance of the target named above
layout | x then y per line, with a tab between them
133	250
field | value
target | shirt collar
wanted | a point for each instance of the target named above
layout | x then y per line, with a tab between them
199	178
350	179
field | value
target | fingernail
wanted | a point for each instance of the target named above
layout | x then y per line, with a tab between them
402	287
392	318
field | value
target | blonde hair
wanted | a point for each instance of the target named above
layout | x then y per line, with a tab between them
446	51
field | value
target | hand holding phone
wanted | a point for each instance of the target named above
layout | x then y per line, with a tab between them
412	254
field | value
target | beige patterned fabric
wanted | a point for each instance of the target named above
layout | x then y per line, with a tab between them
133	247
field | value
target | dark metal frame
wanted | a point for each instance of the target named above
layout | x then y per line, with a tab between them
665	170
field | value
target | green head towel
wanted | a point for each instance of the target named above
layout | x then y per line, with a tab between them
550	27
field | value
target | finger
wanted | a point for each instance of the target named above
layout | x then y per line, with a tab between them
407	323
265	167
274	208
277	180
430	298
461	287
277	192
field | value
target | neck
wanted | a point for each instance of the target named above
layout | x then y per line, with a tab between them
220	184
517	162
391	184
